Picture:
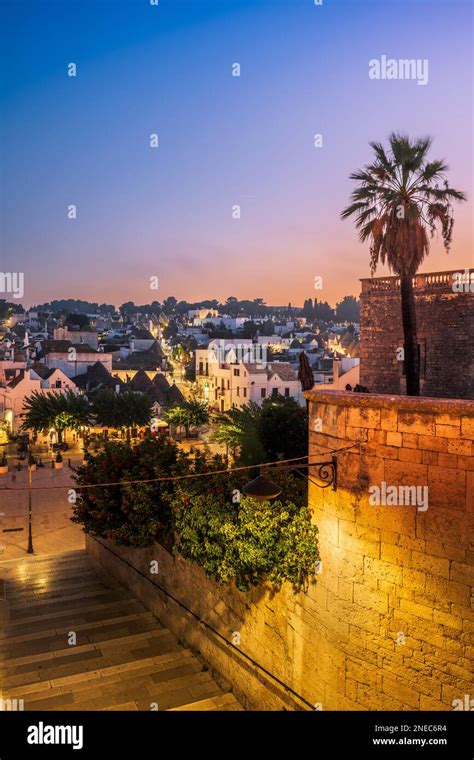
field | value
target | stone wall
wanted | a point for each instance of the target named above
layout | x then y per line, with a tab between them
389	622
445	322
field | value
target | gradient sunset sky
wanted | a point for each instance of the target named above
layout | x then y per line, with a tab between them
143	69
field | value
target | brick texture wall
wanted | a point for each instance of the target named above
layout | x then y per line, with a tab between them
445	321
389	622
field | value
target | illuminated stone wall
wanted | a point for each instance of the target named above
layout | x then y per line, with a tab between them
389	624
397	615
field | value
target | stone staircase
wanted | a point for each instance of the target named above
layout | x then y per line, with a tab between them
123	659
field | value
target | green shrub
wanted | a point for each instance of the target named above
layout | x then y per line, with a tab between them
248	543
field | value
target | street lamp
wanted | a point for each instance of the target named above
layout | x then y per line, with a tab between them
30	537
263	489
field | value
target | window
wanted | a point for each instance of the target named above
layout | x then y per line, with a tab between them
58	384
274	392
228	384
263	392
245	392
236	372
287	392
200	368
238	391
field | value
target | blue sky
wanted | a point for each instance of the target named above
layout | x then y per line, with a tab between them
223	140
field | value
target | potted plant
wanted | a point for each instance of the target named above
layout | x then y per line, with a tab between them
3	463
58	462
31	462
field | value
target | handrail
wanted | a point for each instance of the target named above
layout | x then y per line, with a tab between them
211	628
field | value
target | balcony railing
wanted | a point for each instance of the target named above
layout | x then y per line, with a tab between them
432	281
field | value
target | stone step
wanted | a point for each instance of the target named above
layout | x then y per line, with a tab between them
103	676
33	572
225	702
123	658
55	559
19	602
177	692
88	613
25	583
90	658
73	602
111	690
50	659
54	563
87	633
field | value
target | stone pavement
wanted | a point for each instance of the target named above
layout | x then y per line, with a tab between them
53	530
120	659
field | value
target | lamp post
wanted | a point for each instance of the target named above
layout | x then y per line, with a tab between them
30	537
263	489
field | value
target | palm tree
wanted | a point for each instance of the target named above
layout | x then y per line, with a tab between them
191	413
238	428
59	411
122	410
401	199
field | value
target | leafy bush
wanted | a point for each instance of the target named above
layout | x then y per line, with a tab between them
248	543
205	519
130	515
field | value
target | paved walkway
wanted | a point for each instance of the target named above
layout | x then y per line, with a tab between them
53	530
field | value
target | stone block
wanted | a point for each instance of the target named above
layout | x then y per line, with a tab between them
389	419
434	565
447	431
394	439
416	423
447	487
467	428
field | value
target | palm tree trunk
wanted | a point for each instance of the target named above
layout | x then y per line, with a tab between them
412	364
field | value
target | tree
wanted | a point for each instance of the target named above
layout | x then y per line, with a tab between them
268	328
276	430
169	304
123	411
191	413
348	310
308	309
127	308
79	320
130	515
238	429
401	199
283	429
249	329
324	312
60	411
